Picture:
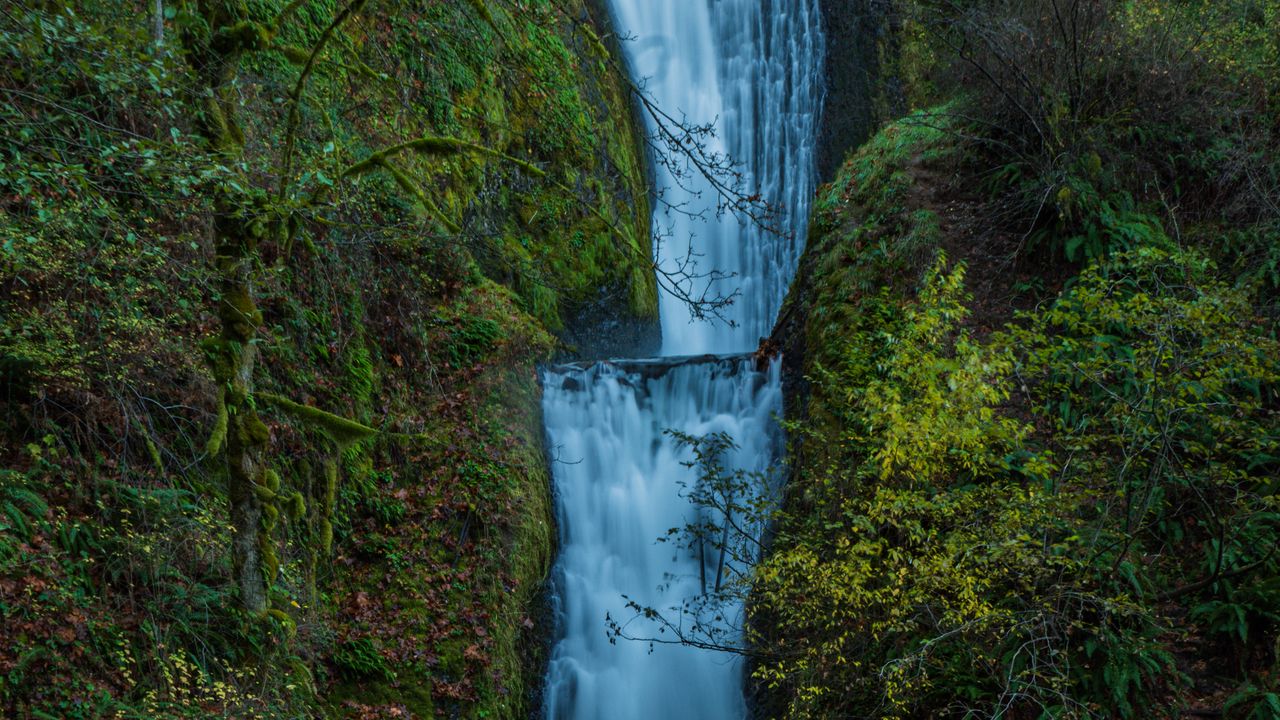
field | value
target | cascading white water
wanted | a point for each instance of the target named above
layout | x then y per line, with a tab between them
619	497
751	67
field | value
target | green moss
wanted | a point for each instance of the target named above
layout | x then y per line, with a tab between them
415	699
270	560
271	480
361	659
328	499
288	623
360	375
531	544
296	505
251	428
219	433
588	228
523	134
330	487
868	249
340	430
239	314
270	517
219	356
152	450
472	339
242	36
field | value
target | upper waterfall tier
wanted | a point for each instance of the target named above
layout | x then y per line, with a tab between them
753	69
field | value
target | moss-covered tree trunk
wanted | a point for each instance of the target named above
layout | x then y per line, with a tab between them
215	56
246	438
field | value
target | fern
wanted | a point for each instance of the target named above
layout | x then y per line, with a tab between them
1259	703
22	508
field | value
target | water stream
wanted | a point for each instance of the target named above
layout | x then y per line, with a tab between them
752	67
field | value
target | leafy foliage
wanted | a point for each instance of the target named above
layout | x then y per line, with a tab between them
1074	516
370	318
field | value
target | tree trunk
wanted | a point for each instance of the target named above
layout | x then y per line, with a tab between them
247	436
157	23
215	57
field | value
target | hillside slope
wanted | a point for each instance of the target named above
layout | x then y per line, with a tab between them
1032	386
397	299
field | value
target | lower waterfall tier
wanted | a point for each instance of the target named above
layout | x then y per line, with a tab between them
622	483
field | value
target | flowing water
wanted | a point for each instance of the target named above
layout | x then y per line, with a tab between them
751	67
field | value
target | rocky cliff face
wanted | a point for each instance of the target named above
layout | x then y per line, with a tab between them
861	92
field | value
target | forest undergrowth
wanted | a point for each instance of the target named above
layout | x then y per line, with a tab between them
1037	439
274	278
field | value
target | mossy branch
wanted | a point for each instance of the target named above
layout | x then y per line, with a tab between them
408	185
342	431
436	146
288	623
596	43
293	53
440	146
152	450
219	433
299	89
483	11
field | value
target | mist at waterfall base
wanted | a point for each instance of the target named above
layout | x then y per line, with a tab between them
751	67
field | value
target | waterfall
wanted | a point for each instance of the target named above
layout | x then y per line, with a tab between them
753	68
614	502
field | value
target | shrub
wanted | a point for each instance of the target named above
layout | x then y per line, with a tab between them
1098	123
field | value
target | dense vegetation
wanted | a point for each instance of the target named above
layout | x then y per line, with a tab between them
1037	442
274	275
273	279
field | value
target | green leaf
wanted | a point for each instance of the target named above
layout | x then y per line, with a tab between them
1072	245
